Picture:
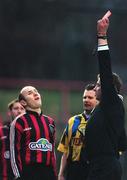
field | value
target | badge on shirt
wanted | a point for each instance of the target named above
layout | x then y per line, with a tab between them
7	154
52	128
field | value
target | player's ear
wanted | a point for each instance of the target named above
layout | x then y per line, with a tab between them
23	103
97	102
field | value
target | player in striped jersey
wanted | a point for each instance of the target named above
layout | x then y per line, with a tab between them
72	140
32	140
15	109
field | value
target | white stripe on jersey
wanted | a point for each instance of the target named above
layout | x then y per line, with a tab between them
12	148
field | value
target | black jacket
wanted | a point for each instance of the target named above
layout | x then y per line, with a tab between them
105	133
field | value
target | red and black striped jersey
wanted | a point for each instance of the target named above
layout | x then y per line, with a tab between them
32	141
6	172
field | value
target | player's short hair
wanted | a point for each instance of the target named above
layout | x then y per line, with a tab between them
89	86
21	97
10	104
117	81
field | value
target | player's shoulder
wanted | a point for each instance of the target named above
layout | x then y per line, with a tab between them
48	117
18	119
73	118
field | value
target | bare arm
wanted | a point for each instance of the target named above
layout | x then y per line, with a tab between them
62	167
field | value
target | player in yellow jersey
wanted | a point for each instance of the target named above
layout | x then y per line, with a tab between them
71	143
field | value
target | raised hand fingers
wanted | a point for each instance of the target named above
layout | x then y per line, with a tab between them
107	15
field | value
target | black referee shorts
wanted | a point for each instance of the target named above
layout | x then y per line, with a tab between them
77	171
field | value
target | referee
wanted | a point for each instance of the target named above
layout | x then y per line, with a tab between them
105	132
32	140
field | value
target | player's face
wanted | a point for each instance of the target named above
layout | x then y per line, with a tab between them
32	97
17	109
89	100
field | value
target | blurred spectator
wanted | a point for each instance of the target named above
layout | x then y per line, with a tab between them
15	109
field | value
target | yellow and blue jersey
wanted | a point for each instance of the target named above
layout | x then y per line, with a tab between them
72	138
